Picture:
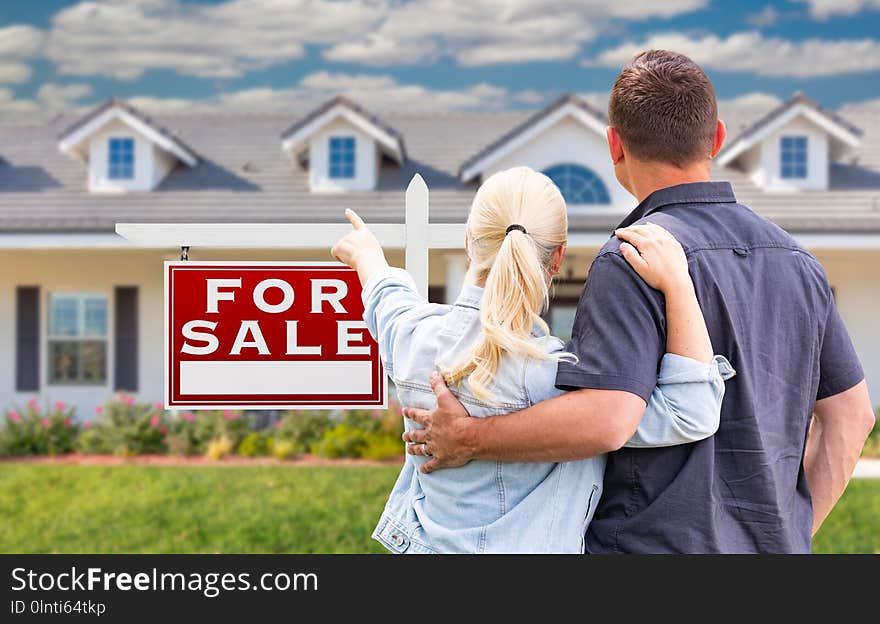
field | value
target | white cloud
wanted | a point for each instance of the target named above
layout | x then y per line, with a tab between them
55	98
755	101
752	52
871	106
823	9
375	92
763	18
124	38
18	44
484	32
10	105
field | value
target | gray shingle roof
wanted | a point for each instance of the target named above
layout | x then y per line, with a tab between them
243	176
341	100
131	110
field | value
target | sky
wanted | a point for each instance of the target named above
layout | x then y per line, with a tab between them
275	55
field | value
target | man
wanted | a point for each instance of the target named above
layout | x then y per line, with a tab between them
765	481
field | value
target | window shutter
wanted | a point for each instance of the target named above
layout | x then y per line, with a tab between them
27	338
125	368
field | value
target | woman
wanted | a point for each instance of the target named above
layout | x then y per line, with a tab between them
496	354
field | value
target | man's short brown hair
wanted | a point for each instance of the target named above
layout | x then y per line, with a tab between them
663	106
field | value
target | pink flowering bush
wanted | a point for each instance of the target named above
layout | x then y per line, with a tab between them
33	430
125	427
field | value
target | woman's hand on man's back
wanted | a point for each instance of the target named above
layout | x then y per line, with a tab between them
655	255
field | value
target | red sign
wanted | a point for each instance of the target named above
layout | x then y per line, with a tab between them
268	335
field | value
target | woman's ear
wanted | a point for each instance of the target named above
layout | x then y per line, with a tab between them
467	244
556	260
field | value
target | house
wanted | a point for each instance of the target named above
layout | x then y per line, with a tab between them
81	311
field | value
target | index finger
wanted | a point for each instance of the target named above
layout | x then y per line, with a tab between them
353	218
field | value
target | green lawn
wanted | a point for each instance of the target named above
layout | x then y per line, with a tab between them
253	509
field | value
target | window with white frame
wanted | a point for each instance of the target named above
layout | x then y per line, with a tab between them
342	153
793	157
120	154
77	338
578	184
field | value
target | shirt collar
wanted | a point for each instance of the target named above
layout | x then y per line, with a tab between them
690	193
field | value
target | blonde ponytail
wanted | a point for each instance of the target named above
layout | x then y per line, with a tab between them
515	262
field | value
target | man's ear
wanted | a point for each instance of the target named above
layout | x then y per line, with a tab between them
720	135
556	260
615	145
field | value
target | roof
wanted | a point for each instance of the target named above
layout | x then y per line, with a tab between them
387	137
242	176
477	163
799	103
113	108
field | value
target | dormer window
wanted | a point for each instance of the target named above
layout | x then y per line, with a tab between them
793	155
124	150
792	148
342	157
120	165
342	146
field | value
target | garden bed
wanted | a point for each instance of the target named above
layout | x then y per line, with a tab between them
196	460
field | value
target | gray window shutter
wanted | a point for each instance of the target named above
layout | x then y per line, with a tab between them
125	368
27	338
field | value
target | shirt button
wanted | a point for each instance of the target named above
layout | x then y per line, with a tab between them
397	539
741	251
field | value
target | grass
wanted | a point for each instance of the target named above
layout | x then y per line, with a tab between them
854	524
254	509
161	509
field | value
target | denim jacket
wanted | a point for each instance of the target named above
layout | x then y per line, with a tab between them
492	506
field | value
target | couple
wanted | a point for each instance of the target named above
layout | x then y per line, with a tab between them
619	441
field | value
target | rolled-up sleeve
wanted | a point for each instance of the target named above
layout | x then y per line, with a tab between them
685	405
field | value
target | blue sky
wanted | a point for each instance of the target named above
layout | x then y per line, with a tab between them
270	54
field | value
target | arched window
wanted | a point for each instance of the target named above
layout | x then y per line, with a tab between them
578	184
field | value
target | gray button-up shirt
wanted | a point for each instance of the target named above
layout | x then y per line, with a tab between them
769	308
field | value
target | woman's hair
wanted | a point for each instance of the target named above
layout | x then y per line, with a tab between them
515	262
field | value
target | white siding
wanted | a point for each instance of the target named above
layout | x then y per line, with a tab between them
569	141
144	163
764	162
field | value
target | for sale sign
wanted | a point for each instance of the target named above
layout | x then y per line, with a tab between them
268	335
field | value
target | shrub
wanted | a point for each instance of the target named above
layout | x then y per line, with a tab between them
381	446
31	431
283	449
190	433
218	448
304	428
341	441
253	445
93	441
127	428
